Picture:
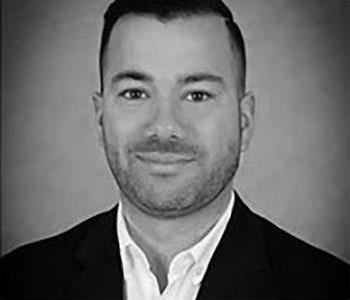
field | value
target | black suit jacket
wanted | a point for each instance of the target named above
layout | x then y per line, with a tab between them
254	260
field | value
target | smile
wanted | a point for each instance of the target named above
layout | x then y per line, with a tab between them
164	163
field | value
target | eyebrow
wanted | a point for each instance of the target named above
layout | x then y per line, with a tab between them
131	75
182	80
198	77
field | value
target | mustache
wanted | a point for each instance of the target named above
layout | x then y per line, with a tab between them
166	146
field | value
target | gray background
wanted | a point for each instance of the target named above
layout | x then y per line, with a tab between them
54	174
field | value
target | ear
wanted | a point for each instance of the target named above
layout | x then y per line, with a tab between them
247	110
97	99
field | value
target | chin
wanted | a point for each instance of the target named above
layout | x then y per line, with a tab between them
169	210
169	201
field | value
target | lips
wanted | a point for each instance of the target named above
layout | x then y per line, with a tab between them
164	165
164	158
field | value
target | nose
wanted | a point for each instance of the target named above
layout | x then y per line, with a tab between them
165	122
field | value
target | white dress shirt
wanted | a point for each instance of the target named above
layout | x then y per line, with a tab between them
186	270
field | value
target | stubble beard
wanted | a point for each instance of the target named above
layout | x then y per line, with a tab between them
193	195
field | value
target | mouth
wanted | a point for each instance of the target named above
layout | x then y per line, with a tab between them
164	164
163	159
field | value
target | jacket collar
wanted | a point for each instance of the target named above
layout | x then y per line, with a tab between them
98	268
239	267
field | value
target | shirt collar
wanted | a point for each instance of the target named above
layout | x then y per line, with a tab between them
200	253
203	250
200	249
123	234
129	250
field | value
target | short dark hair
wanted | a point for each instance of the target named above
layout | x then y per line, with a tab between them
166	10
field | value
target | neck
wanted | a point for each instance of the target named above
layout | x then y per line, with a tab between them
162	239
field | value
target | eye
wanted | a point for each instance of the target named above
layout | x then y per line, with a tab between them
134	94
198	96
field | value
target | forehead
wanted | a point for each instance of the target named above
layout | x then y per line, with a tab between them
188	44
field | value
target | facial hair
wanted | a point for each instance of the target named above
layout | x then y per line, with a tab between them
187	198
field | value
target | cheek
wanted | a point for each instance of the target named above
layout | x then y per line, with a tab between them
218	133
119	130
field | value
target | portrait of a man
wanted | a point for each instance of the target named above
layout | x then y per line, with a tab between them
173	116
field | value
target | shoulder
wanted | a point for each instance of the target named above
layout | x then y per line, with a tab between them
49	259
299	266
60	244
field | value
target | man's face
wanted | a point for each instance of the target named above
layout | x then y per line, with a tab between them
170	112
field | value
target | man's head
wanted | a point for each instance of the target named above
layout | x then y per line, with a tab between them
172	113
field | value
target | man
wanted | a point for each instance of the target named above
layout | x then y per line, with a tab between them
173	116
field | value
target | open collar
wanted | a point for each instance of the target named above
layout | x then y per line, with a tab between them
199	254
239	267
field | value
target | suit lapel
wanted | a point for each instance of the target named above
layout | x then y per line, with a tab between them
98	269
239	268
